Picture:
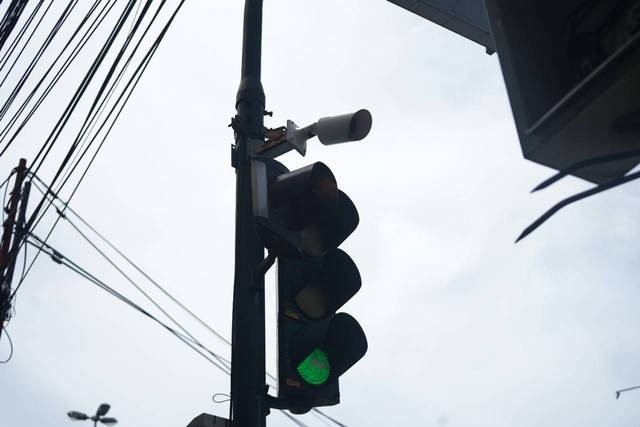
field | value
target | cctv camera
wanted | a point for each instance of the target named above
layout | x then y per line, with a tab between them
344	128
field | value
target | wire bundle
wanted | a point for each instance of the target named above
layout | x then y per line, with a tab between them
172	325
128	34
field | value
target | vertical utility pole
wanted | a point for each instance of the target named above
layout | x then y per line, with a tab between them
20	232
248	387
6	259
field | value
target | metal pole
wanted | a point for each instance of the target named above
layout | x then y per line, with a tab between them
248	388
5	254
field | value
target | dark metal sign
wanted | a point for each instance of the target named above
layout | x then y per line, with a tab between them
465	17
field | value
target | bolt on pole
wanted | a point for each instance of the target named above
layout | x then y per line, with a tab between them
248	387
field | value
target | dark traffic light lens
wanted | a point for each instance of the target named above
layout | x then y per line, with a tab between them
313	301
315	369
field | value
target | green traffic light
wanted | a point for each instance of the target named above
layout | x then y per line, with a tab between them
315	369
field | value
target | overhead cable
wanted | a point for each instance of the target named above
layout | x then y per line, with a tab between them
63	260
22	50
34	61
10	19
133	81
91	30
151	280
18	38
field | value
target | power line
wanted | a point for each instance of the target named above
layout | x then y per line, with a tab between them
62	121
139	288
149	278
27	42
133	264
133	82
98	20
10	19
18	38
10	345
79	182
25	75
60	259
65	117
46	73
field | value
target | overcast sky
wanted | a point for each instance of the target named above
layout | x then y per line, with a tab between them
464	327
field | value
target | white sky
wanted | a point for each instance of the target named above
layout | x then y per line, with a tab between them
464	327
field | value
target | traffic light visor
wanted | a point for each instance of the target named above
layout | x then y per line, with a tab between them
304	196
319	237
326	284
327	349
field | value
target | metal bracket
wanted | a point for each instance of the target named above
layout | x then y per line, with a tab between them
284	139
274	234
266	264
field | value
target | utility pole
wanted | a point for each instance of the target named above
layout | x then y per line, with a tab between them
248	387
20	231
7	258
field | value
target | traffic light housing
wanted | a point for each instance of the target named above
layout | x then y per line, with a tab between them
307	218
316	345
572	72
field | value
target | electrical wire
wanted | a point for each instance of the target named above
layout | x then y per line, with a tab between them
29	226
54	135
62	121
140	69
98	20
107	79
324	421
10	346
18	38
10	19
22	50
153	51
142	291
34	61
151	280
293	419
92	120
333	420
133	82
4	202
63	260
79	27
134	18
133	264
8	178
134	77
222	360
213	398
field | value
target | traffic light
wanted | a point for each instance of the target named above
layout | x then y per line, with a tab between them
572	71
308	218
316	345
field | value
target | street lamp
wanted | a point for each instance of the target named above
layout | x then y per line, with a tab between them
98	417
